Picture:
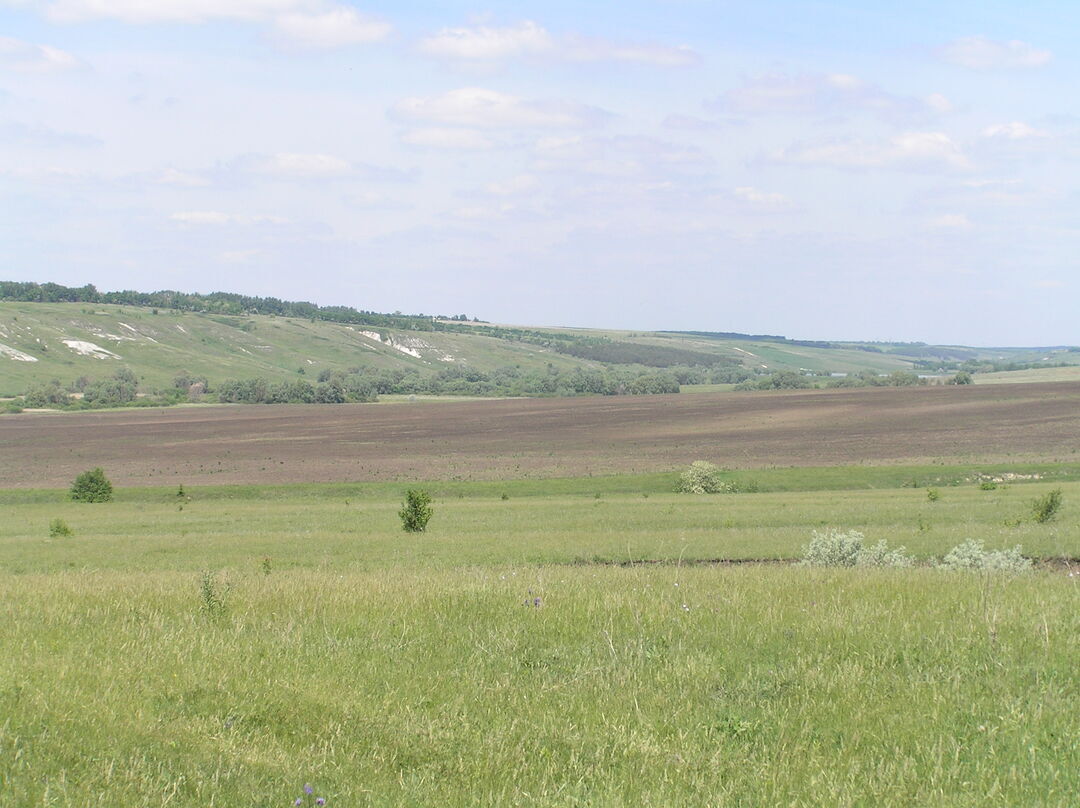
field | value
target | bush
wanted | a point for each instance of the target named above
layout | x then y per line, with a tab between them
58	529
701	478
416	511
91	486
836	549
972	556
933	495
1045	508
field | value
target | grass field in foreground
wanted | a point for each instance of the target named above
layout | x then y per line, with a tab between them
226	647
659	686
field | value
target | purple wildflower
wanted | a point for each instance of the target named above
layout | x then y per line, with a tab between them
307	788
320	801
299	801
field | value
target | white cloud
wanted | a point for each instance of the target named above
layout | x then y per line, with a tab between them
938	103
306	23
1014	130
587	49
217	218
482	42
762	200
981	53
239	256
529	39
26	57
202	217
331	29
912	151
186	11
951	221
42	137
690	123
481	213
477	107
622	156
445	138
515	186
183	179
820	94
289	165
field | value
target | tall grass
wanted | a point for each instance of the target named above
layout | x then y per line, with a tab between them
628	686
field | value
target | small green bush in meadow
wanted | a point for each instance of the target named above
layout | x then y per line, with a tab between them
834	548
987	485
59	529
213	594
1046	507
416	511
92	486
971	555
933	495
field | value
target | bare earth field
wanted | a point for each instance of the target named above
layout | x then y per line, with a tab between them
542	437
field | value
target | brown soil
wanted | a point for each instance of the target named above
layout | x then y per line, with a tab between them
542	437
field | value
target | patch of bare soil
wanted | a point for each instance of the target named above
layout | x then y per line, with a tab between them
542	437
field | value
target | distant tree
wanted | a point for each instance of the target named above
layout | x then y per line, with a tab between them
962	377
416	511
92	486
903	378
47	395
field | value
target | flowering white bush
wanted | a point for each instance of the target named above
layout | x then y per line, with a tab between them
834	548
972	556
703	478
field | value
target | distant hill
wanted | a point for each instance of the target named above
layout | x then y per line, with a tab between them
162	335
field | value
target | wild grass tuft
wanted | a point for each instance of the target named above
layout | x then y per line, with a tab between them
1046	507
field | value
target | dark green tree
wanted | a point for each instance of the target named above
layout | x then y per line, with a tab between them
92	486
416	511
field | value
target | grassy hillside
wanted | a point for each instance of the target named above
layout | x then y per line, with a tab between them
65	341
230	646
61	338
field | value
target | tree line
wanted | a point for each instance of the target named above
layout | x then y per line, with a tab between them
213	303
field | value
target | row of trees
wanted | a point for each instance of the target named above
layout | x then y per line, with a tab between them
214	303
357	385
790	380
115	391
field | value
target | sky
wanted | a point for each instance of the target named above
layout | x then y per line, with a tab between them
850	169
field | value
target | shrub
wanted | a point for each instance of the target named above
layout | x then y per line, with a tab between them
972	556
834	548
933	495
987	485
702	478
91	486
58	528
213	594
1045	508
416	511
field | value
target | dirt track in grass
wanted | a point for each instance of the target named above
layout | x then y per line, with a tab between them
542	437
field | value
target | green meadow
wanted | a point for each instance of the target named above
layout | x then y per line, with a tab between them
573	642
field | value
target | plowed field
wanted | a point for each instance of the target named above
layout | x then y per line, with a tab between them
542	437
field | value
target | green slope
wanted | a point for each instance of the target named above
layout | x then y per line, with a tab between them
65	341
